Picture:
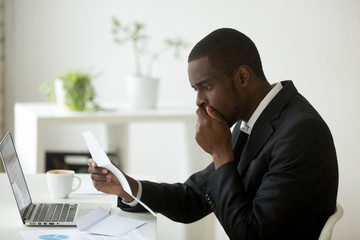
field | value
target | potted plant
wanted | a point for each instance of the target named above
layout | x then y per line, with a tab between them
142	86
72	90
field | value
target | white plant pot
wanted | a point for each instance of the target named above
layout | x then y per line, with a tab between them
141	92
60	94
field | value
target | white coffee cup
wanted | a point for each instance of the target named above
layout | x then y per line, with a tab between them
60	182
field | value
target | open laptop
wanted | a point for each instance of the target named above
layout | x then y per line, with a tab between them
38	214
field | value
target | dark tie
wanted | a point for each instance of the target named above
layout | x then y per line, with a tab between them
239	140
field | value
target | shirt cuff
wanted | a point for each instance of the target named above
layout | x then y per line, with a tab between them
138	196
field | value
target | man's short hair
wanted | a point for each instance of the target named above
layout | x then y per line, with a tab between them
227	49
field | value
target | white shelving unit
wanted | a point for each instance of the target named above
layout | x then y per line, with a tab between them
32	120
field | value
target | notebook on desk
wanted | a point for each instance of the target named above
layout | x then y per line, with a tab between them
38	214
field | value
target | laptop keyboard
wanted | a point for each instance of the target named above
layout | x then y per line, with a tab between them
54	212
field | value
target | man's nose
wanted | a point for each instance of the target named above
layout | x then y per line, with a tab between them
200	99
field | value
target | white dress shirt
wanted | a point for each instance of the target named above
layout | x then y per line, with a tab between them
246	127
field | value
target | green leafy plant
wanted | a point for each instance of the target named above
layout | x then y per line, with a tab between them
78	89
135	34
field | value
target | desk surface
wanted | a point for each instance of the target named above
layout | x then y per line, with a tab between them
10	221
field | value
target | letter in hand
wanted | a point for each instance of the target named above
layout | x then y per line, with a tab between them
105	181
123	182
214	136
109	178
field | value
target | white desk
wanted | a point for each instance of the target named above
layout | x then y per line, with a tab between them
10	220
31	120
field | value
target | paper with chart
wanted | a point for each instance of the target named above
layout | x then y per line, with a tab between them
102	160
75	234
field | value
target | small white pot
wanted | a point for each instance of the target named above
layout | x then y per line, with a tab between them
60	94
141	92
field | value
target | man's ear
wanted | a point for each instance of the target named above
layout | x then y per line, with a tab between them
243	75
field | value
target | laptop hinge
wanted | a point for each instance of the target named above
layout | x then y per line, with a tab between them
29	211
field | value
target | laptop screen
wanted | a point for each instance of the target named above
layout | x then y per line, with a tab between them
14	171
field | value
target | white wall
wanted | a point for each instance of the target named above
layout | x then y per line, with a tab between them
314	43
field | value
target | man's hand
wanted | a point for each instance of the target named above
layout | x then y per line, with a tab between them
105	181
214	136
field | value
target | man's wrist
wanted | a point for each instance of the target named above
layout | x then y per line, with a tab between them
222	158
133	203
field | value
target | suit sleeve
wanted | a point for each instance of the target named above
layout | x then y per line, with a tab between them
181	202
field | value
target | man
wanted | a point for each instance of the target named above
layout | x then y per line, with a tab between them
274	177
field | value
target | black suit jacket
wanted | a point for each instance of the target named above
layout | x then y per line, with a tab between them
282	186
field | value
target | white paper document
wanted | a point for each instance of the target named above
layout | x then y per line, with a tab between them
100	222
75	234
102	160
86	187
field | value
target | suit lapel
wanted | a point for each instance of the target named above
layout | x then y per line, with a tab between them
256	141
263	128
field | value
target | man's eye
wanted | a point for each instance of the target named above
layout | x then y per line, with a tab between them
206	87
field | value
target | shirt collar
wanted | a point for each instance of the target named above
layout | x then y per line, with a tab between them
246	127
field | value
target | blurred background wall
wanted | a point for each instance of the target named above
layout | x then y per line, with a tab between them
313	43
